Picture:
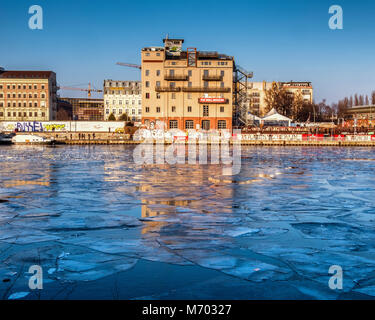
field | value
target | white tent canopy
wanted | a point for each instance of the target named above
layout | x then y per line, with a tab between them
253	117
274	116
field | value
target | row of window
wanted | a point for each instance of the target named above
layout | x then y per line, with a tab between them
220	63
206	109
206	125
122	93
120	111
126	102
24	104
23	87
23	114
24	95
190	73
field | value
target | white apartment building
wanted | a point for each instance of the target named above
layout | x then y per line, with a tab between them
123	97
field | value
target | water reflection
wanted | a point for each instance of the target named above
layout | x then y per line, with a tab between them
88	212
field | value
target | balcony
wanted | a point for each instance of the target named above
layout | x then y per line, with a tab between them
167	89
205	89
213	78
175	77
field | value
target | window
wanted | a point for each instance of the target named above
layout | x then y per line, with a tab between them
1	87
9	114
206	124
43	114
1	95
158	109
35	87
147	54
173	95
120	111
205	111
158	54
189	95
221	109
107	111
30	114
205	73
157	73
222	73
173	124
173	109
190	84
43	96
147	109
189	124
190	73
8	104
189	109
206	84
222	124
222	84
158	83
35	114
1	114
42	86
14	114
147	84
171	72
157	95
172	84
1	104
147	73
114	111
147	95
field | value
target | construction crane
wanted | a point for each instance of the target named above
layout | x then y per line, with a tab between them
89	90
130	65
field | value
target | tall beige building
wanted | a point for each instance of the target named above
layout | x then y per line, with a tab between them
257	93
186	89
28	96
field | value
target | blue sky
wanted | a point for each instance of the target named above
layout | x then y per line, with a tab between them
278	40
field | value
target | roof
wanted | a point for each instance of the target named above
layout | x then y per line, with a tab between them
26	74
273	115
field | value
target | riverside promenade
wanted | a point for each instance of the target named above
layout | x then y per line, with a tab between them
90	138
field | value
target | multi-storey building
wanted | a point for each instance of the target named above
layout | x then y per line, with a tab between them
186	89
257	94
123	97
28	95
86	109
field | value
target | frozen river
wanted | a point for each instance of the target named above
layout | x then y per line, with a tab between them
102	227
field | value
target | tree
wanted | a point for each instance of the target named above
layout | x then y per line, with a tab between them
367	102
356	100
277	97
373	97
124	117
111	117
297	105
361	100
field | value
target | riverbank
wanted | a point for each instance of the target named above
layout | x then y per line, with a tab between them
107	138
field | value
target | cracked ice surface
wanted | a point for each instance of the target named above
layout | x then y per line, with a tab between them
85	213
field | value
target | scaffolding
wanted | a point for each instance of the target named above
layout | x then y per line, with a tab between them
241	96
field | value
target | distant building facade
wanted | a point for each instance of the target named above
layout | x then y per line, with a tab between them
123	97
28	95
186	89
257	94
85	109
361	116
